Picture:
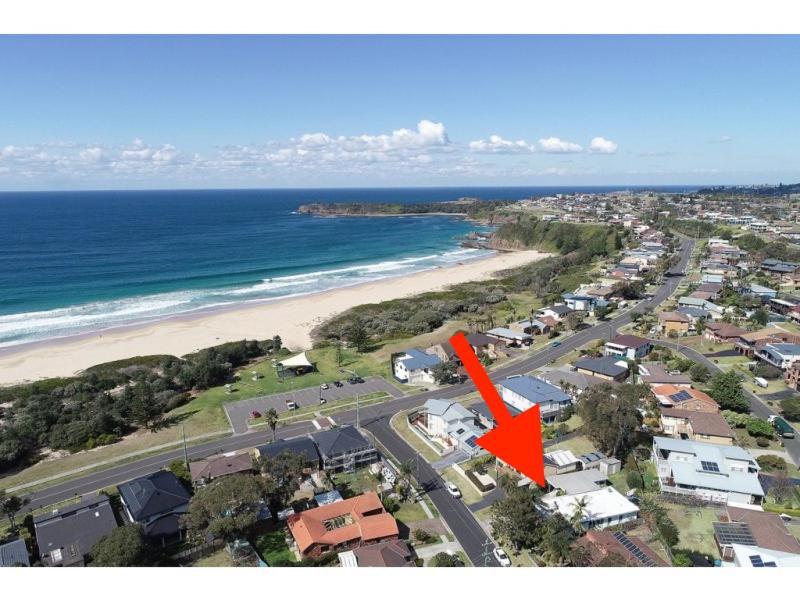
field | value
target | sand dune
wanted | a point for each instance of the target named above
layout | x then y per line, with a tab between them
291	318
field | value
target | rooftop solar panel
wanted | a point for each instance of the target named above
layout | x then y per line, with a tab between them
681	396
709	466
734	533
631	547
472	442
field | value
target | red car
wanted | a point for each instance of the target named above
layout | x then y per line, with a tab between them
255	415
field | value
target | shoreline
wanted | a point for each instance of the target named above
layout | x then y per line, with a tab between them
292	318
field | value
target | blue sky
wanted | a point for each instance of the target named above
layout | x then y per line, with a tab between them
215	111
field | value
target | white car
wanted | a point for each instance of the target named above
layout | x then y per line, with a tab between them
452	489
502	557
325	386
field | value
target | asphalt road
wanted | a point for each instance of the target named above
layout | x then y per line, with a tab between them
375	418
459	518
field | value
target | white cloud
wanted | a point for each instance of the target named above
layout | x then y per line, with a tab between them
497	145
600	145
558	146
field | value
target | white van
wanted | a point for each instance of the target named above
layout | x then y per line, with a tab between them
761	382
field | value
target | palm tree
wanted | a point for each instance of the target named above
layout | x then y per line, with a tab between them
579	513
406	469
271	417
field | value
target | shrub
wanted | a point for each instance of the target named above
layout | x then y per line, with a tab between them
634	480
762	442
771	462
422	536
681	559
759	428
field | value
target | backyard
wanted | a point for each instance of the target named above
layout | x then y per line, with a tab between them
694	524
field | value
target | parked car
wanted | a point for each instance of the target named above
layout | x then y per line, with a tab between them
255	415
555	344
338	383
355	380
323	401
502	557
452	489
291	404
325	386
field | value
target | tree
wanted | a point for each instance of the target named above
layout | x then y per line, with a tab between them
771	462
726	389
516	519
443	559
271	418
144	408
282	475
10	506
634	480
579	513
601	312
782	487
445	373
181	471
759	428
557	539
759	317
790	407
337	349
357	335
699	373
227	507
611	416
123	547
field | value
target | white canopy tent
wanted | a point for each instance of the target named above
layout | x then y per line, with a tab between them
299	361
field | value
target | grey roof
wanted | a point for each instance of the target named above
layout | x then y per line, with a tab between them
535	390
559	309
693	311
419	360
449	410
693	474
483	409
74	529
14	554
607	365
302	445
785	349
658	374
578	482
508	333
153	494
579	380
340	441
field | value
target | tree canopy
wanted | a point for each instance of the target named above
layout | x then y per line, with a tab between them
123	547
227	507
611	416
726	389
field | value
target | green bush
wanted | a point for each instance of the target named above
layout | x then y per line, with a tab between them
771	462
634	479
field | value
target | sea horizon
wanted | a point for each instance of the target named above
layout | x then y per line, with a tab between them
119	258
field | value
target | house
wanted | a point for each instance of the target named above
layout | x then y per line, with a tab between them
414	366
672	396
631	347
511	337
780	269
629	550
451	424
702	295
205	470
344	525
580	302
669	322
792	377
757	528
711	288
604	292
572	382
303	446
344	449
694	315
712	278
65	536
753	556
781	306
531	326
483	344
559	462
607	465
748	343
782	356
700	426
608	368
14	554
602	508
574	482
444	351
707	472
522	392
654	374
156	502
722	333
761	291
557	312
715	312
392	553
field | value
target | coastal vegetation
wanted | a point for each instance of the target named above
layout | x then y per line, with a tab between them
480	302
482	210
111	400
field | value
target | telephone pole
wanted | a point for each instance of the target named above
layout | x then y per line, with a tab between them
185	451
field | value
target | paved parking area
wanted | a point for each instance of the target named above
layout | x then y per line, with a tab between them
239	412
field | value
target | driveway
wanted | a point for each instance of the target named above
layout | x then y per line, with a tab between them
239	412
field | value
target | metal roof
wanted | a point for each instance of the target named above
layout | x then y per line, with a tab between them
535	390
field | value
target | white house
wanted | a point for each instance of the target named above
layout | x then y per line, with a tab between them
450	423
709	472
522	392
414	366
631	347
604	507
782	356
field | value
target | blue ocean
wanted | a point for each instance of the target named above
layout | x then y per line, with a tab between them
75	262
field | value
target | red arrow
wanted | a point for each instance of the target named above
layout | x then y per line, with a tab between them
516	441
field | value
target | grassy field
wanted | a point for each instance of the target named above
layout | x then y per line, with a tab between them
220	558
353	484
401	426
694	524
578	445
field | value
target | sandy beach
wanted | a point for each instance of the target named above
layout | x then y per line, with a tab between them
291	318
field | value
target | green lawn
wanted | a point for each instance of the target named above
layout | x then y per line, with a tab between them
353	484
273	549
410	513
694	524
220	558
578	445
400	424
468	492
648	470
